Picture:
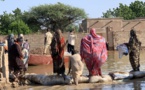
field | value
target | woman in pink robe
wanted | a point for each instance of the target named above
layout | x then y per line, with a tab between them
93	52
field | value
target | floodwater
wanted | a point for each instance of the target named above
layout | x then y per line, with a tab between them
113	64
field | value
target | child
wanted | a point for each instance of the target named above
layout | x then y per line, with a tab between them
25	57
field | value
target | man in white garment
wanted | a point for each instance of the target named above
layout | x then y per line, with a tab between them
71	42
47	41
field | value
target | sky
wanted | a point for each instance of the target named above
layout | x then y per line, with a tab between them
93	8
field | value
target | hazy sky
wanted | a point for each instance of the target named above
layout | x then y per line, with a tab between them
93	8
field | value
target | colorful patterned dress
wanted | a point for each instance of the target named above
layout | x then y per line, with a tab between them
134	51
57	53
93	52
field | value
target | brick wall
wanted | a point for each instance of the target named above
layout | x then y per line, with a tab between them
123	37
36	41
119	29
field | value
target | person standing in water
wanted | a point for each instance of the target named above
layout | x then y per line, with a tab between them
57	52
94	52
134	46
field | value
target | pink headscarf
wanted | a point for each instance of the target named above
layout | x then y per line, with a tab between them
93	34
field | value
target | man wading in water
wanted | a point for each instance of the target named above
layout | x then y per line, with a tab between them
134	46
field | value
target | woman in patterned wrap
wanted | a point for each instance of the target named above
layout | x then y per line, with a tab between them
93	52
134	46
57	52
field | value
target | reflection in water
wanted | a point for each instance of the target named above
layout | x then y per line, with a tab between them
136	85
113	64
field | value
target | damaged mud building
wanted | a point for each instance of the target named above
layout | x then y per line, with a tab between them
115	30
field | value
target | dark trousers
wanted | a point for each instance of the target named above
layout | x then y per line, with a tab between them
70	48
58	64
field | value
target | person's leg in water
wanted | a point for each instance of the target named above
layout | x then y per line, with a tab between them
61	71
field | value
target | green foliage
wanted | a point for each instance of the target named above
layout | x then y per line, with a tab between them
124	11
54	16
109	14
72	27
6	20
138	7
18	27
12	23
135	9
31	21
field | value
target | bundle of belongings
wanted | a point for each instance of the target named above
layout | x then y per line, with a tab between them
122	50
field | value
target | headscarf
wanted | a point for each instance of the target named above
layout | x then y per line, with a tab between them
91	39
133	34
11	36
10	40
93	34
133	41
57	41
58	33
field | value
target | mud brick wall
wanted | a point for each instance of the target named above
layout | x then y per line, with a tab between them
36	41
123	37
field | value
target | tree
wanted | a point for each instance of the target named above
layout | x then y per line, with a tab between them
135	9
17	13
12	23
124	11
6	20
18	27
54	16
108	14
72	27
138	7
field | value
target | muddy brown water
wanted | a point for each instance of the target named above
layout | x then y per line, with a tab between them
113	64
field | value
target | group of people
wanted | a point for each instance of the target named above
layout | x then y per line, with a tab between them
18	53
93	52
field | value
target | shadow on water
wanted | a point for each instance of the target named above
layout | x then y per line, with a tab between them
113	64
